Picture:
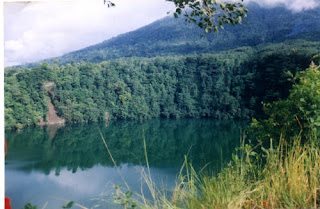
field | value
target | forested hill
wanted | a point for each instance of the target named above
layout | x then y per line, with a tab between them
170	36
229	84
225	75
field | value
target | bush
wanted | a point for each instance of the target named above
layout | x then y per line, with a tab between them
298	114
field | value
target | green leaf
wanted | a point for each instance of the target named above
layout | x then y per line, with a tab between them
29	206
223	6
178	10
215	28
68	205
128	194
315	57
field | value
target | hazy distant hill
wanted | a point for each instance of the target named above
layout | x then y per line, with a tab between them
170	36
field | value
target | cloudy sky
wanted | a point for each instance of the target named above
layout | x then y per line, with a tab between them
293	5
37	30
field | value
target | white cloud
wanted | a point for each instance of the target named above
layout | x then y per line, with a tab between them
38	30
14	45
294	5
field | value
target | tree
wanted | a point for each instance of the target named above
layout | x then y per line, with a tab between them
209	15
298	114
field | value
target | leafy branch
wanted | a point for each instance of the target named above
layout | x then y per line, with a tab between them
210	15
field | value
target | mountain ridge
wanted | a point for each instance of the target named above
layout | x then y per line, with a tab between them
169	36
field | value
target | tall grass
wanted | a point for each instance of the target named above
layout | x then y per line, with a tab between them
290	178
284	176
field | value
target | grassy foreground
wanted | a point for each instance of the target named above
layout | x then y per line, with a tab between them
285	176
283	171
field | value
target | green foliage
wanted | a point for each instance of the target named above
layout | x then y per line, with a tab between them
109	3
210	14
230	84
25	98
283	176
124	198
288	178
204	13
68	204
29	206
299	113
316	58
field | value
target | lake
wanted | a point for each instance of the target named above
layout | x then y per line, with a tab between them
55	164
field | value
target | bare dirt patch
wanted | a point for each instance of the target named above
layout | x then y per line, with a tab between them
52	117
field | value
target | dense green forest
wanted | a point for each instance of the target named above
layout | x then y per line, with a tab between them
229	84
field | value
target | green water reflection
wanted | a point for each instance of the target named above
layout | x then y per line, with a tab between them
78	150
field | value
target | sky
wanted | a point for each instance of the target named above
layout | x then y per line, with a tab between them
293	5
37	30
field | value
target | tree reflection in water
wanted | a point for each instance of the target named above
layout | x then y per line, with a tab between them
80	146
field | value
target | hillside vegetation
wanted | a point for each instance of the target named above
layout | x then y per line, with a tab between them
230	84
170	36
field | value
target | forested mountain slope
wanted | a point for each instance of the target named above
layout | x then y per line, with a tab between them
135	75
170	36
229	84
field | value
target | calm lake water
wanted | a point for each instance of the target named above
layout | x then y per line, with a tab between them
55	164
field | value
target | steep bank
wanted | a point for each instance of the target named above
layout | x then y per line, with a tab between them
52	117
